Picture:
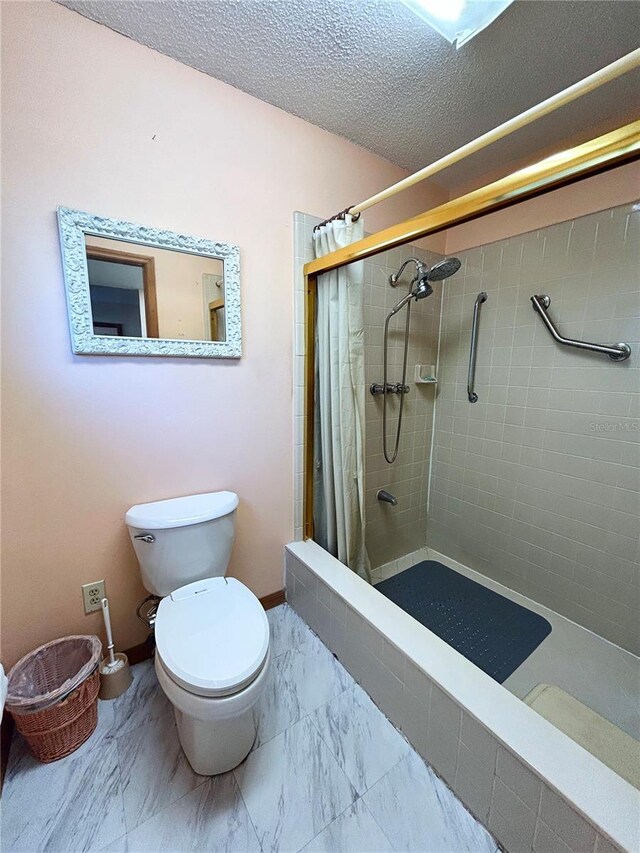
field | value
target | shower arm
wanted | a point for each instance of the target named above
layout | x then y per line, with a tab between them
395	277
616	352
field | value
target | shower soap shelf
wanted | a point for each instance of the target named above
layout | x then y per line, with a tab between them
425	374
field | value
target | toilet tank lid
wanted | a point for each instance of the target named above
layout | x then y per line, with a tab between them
181	512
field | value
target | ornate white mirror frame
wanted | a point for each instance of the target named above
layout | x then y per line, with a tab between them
75	224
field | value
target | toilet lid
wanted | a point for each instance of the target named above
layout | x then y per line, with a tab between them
181	512
212	636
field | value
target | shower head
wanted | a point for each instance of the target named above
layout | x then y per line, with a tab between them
422	288
420	285
443	269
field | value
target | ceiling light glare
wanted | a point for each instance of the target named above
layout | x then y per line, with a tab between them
458	20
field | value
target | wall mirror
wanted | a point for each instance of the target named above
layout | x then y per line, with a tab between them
136	290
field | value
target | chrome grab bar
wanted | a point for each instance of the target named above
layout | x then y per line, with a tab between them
473	352
616	352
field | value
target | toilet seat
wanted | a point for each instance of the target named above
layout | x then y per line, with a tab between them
212	636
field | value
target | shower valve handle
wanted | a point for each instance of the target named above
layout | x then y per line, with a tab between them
377	388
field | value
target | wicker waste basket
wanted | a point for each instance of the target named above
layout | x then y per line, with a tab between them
53	695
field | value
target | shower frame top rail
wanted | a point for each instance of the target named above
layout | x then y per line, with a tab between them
616	352
612	149
473	350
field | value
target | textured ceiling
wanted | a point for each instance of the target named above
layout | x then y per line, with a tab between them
372	72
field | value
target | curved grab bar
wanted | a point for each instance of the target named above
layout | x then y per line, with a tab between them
473	352
616	352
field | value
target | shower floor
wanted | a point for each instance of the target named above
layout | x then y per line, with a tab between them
603	676
489	629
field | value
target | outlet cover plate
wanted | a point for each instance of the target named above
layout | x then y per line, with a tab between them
92	594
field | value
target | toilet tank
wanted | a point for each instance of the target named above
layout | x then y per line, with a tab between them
182	540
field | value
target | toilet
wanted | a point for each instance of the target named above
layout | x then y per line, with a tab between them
212	634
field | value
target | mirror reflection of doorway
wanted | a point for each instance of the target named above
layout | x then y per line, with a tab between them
122	288
213	292
216	328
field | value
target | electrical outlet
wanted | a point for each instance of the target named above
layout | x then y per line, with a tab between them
92	594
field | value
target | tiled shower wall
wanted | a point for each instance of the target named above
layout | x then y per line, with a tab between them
537	485
394	531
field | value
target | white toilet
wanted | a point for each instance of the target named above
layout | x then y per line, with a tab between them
212	634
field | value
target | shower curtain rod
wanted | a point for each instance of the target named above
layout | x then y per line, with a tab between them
582	87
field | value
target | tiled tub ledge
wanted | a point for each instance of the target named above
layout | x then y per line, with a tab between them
533	787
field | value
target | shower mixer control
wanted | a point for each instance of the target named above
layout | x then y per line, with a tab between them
377	388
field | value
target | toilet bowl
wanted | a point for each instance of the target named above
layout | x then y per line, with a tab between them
212	635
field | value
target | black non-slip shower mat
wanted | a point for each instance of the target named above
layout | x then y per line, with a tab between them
488	629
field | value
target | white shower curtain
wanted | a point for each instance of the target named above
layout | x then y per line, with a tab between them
340	390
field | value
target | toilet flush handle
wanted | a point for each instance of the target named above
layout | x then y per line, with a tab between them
145	537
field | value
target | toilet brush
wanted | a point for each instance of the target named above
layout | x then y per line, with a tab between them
115	672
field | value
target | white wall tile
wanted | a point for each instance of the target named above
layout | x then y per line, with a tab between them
546	841
574	831
396	531
512	820
525	784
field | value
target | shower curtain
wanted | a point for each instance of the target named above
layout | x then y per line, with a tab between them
339	409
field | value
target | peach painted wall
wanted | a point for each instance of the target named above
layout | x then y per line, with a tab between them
93	120
600	192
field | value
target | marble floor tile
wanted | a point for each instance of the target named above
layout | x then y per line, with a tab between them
291	693
288	631
154	769
363	741
105	729
144	702
293	788
279	706
318	676
354	831
418	812
74	804
211	818
117	846
130	788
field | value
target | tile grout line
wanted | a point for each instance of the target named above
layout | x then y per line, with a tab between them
120	785
244	803
359	797
370	811
353	687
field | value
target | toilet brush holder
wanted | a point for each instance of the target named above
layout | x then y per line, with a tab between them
115	672
114	680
